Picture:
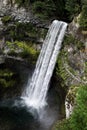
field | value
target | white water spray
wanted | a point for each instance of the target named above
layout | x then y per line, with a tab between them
36	91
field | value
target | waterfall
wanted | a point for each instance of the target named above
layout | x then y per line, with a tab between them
36	90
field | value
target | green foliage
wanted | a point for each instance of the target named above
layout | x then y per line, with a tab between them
6	19
83	18
24	32
73	8
79	116
60	70
7	84
19	2
24	3
6	78
22	49
70	40
77	94
78	119
84	2
6	73
60	8
50	8
43	9
27	50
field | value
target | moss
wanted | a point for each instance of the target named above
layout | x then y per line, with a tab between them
22	49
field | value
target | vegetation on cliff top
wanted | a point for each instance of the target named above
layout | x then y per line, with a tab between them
62	9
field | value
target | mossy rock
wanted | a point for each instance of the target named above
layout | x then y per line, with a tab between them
26	48
23	50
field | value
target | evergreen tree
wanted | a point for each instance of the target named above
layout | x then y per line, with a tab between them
73	7
79	116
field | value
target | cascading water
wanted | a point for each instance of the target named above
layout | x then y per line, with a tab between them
36	91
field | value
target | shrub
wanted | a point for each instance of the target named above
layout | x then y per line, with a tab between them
79	116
